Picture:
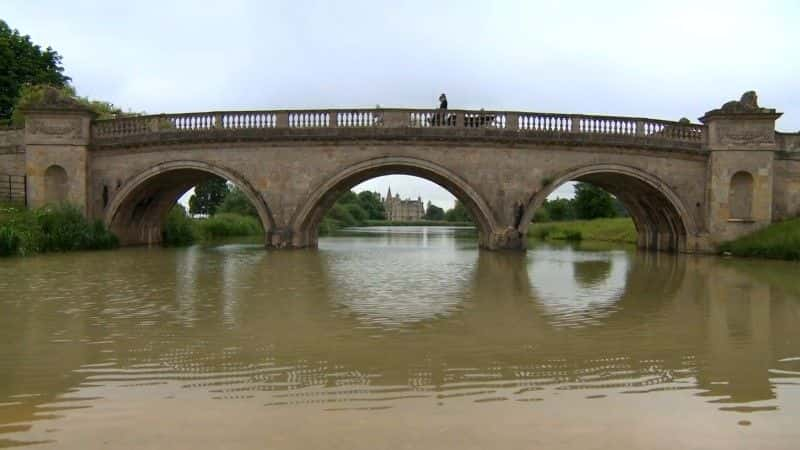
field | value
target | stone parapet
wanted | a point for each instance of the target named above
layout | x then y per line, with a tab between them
393	123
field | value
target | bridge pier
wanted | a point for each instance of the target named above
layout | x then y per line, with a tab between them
506	239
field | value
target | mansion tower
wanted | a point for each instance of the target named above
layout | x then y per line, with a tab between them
403	210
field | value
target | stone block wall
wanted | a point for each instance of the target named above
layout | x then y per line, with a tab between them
12	152
788	142
786	199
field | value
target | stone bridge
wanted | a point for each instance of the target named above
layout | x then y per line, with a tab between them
687	186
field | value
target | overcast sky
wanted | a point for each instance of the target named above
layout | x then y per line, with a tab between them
654	59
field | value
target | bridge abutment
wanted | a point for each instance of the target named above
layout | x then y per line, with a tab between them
741	144
57	137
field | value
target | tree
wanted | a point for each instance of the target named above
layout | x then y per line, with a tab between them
340	214
237	203
357	213
459	213
560	209
347	198
434	213
372	204
542	215
591	202
24	63
208	195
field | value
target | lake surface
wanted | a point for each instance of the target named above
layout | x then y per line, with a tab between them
398	338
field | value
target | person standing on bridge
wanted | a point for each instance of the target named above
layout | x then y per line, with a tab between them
440	117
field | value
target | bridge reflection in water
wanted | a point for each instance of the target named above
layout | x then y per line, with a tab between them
379	322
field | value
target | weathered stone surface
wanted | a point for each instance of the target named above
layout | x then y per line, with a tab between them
57	139
12	152
296	181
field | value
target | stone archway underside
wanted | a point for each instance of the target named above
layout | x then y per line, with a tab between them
139	210
658	224
662	224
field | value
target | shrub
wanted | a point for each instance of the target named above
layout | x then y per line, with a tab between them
357	212
573	235
328	226
178	229
9	241
23	224
64	228
237	203
542	232
228	225
52	228
341	214
101	238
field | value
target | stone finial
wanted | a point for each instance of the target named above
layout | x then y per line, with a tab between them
748	104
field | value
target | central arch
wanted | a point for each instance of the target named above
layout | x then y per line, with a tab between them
662	222
305	223
139	208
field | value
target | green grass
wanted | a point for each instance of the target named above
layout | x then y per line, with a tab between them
778	241
607	230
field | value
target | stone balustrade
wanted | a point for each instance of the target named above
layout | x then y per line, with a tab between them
511	123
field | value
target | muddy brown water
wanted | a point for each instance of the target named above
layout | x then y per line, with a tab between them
398	338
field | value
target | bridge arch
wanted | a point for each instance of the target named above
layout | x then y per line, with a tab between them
138	209
661	219
305	223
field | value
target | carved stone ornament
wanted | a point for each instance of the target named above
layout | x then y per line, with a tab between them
65	128
748	137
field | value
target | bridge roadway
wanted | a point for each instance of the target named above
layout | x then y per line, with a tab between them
687	186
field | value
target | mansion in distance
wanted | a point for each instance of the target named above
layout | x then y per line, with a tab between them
403	210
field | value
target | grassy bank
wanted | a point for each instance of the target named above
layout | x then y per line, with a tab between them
181	229
607	230
55	228
777	241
